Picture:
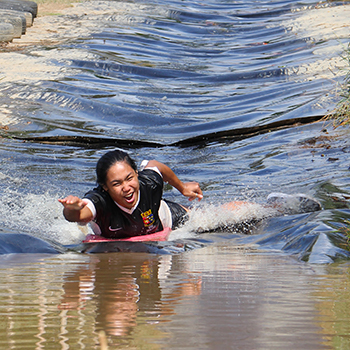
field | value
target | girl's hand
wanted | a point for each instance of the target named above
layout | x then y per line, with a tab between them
76	209
192	191
73	203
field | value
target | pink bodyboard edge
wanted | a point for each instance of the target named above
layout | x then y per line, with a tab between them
153	237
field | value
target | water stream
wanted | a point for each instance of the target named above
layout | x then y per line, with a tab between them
160	72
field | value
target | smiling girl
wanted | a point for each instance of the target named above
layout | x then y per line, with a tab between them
128	202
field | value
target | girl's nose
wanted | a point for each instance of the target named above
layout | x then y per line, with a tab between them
125	187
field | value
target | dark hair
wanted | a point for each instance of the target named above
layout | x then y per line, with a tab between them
108	160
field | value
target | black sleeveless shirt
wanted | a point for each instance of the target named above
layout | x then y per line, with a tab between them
115	223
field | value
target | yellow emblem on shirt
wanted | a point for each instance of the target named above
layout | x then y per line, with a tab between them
148	218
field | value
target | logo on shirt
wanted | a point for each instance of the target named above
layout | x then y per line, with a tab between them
148	218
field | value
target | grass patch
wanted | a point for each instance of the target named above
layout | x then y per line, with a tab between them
340	116
346	231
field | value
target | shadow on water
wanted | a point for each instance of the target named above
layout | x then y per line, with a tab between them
201	140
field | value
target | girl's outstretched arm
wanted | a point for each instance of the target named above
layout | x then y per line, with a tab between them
75	209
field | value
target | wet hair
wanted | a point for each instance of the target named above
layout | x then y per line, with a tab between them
108	160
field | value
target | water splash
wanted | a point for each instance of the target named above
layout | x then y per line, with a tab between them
39	215
231	217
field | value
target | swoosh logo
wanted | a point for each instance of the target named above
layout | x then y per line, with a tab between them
114	229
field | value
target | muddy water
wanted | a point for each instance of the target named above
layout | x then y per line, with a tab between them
212	298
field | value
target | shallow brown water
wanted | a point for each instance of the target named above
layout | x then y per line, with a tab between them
211	298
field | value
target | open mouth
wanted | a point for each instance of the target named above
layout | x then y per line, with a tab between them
130	197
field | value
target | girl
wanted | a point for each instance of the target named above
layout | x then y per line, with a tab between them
128	202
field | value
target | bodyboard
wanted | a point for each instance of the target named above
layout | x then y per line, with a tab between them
152	237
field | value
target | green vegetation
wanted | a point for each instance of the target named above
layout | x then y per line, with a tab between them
346	231
341	114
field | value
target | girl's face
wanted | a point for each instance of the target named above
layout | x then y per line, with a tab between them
122	184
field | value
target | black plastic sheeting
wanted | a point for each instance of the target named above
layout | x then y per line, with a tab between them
300	236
